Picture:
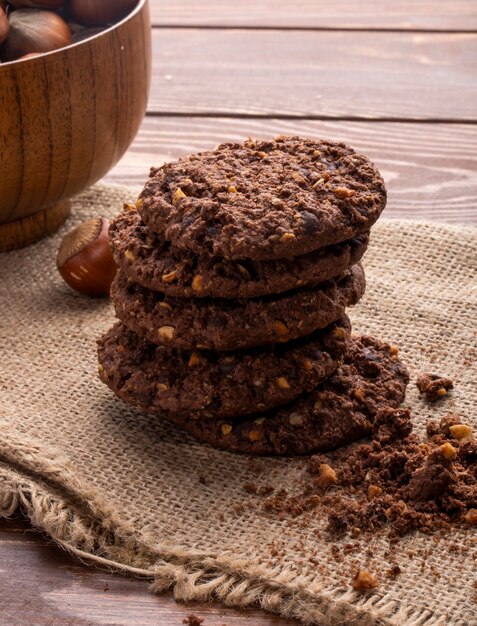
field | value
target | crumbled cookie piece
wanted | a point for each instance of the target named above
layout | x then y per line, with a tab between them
193	620
433	386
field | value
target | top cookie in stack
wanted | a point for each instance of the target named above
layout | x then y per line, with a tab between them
236	266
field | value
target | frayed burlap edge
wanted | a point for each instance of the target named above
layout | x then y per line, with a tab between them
44	487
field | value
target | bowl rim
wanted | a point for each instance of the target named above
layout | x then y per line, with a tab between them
137	9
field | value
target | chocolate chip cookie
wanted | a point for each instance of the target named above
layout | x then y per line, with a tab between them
154	263
223	325
264	200
339	411
196	385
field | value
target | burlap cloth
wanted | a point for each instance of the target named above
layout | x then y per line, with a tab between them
129	490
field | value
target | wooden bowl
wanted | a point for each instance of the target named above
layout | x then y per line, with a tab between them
66	118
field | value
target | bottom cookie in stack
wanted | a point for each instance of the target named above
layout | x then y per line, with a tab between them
339	411
285	399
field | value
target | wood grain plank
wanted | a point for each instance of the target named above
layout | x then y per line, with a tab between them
401	14
323	74
430	169
44	586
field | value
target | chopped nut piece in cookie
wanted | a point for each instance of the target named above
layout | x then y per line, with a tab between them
165	305
326	476
283	382
295	419
162	387
178	196
129	255
339	332
254	435
198	283
287	237
343	192
194	359
374	491
461	431
280	328
433	386
471	517
243	270
364	581
166	332
169	277
226	429
448	451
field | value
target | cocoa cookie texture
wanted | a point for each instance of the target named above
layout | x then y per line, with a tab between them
214	324
154	263
264	199
193	385
433	386
236	267
340	410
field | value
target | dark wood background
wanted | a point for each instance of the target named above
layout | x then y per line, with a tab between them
395	79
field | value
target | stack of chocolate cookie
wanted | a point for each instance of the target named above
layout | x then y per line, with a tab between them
236	267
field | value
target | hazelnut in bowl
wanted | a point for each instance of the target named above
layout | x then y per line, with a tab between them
74	83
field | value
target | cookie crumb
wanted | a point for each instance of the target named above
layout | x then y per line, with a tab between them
192	620
364	581
393	571
433	386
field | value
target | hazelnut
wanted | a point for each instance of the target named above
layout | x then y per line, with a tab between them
84	258
232	189
283	383
33	30
4	25
95	13
36	4
359	394
162	387
226	429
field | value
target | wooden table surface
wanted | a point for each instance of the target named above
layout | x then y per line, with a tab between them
395	79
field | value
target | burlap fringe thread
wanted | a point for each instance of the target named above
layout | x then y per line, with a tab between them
81	522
